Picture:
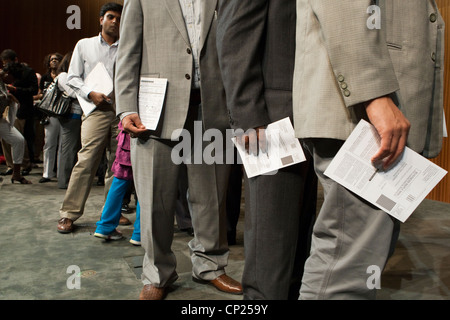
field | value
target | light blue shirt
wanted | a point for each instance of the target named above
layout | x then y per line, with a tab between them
192	18
87	53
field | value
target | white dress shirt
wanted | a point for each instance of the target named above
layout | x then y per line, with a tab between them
192	18
87	53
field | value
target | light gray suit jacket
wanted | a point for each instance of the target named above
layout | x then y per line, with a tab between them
154	43
342	63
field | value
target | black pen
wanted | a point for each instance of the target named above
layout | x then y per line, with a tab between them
373	175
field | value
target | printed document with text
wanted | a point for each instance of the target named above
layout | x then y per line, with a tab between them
152	92
284	150
399	190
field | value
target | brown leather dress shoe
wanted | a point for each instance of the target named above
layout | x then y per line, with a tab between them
223	283
149	292
124	221
65	225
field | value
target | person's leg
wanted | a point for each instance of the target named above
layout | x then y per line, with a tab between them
26	163
6	148
306	224
182	211
271	232
94	132
51	134
136	236
155	177
349	236
112	207
29	135
234	195
70	145
110	153
207	196
12	137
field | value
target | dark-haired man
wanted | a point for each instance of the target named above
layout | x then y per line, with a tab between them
99	128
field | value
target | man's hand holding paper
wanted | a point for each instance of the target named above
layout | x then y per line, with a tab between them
133	125
101	86
397	190
99	98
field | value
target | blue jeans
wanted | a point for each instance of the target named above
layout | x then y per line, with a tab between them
112	208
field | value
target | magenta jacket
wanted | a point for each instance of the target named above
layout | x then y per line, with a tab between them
122	164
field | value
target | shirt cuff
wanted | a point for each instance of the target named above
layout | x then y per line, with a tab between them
124	114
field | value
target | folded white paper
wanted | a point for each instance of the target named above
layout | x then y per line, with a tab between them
283	150
397	191
98	80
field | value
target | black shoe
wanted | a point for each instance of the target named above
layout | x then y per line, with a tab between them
126	209
7	172
44	180
25	172
100	182
189	231
231	237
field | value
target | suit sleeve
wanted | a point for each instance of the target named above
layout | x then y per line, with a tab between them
358	54
129	57
240	31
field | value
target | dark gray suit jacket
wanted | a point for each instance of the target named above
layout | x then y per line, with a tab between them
262	93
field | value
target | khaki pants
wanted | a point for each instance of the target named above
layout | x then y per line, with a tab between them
98	131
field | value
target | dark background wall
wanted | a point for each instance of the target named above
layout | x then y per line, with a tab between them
35	28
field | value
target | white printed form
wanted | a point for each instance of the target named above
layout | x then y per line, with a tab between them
398	191
284	150
152	92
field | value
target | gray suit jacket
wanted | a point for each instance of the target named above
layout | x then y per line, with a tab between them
154	43
341	63
258	83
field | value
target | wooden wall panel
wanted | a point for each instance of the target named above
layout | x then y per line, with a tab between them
442	190
36	28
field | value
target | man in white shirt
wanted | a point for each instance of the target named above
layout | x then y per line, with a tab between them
99	128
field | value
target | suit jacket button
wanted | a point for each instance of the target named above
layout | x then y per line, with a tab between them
188	50
187	76
344	85
433	17
347	93
341	78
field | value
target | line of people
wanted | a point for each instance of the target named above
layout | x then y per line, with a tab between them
246	64
242	65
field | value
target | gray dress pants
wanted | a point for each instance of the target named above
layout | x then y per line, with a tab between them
156	182
279	215
351	238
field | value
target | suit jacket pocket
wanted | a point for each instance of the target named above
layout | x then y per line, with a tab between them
393	25
151	75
